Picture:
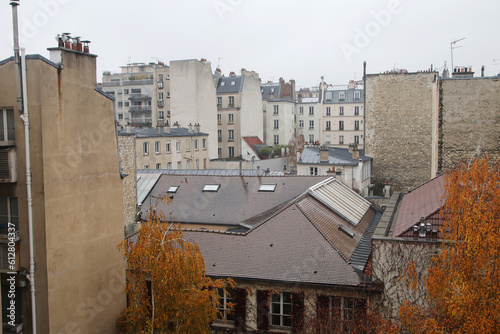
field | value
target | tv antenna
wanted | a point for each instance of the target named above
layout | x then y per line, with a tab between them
453	46
218	62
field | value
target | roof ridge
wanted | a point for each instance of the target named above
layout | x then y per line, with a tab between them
212	231
426	182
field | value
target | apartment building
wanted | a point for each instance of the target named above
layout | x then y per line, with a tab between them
141	92
278	103
239	112
75	205
170	147
308	119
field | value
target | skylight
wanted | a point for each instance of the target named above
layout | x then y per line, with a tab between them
233	83
267	187
211	187
222	83
172	189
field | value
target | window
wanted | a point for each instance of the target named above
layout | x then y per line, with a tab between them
341	125
120	104
197	164
328	125
211	187
356	125
204	143
219	135
125	91
219	101
168	95
222	83
146	166
179	164
341	96
219	152
145	148
311	139
301	123
356	111
219	118
366	170
301	110
160	96
225	300
276	124
231	101
178	146
356	139
196	144
276	140
281	309
173	189
169	165
328	111
328	96
341	139
135	91
168	147
157	147
127	104
158	166
276	109
313	170
120	116
188	164
231	151
341	314
230	118
357	95
160	77
311	110
8	214
341	111
7	133
311	125
267	187
233	83
188	145
161	114
230	135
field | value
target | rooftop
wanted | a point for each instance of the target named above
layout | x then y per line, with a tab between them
337	156
230	84
151	132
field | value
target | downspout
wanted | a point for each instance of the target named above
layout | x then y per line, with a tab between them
17	58
25	118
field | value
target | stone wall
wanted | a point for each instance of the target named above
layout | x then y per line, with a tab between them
127	159
401	127
469	115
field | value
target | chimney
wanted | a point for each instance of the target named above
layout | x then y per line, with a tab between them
351	84
323	154
232	74
190	128
159	127
355	151
167	128
197	128
387	189
86	46
482	71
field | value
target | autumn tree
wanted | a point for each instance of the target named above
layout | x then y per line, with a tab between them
463	281
167	289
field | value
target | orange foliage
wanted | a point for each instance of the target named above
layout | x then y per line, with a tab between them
183	299
464	278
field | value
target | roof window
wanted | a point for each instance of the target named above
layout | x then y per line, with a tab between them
233	83
267	187
172	189
211	187
222	83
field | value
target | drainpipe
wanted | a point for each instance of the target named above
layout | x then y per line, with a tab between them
25	118
17	58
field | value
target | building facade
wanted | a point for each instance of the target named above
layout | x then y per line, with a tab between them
76	186
239	112
308	119
343	115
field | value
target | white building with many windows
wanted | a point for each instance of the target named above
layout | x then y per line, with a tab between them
308	119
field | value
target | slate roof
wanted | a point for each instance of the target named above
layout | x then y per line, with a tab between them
309	100
337	156
349	94
267	88
237	199
151	132
228	86
423	201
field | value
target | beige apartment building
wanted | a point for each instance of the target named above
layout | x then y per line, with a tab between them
342	115
308	119
170	147
141	92
76	192
239	112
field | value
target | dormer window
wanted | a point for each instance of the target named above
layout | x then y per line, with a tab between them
222	83
233	83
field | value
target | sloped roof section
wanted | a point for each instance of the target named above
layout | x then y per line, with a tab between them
422	201
145	183
340	199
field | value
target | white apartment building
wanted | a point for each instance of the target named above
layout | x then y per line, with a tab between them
239	112
141	93
308	119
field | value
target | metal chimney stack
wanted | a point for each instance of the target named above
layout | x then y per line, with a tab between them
17	57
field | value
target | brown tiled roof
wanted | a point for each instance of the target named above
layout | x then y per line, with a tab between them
236	201
253	141
329	222
285	248
422	201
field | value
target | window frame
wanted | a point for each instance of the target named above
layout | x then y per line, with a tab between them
283	313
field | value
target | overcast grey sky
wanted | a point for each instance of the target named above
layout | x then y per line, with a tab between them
300	40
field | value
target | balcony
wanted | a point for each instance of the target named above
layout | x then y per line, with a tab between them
8	165
144	109
141	97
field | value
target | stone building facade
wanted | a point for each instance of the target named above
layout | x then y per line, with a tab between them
127	147
401	127
469	121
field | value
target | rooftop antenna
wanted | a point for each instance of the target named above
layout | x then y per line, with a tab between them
453	46
218	62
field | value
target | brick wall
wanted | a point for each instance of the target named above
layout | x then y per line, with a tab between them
127	158
400	113
469	116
